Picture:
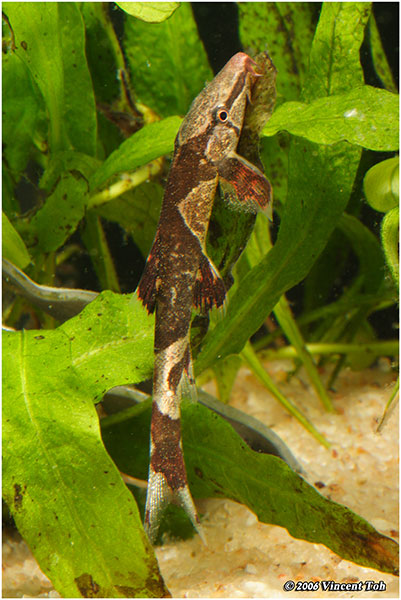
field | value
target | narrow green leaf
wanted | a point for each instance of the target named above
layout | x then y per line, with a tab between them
375	349
365	116
319	187
66	496
220	464
285	29
380	61
334	64
94	238
288	324
391	404
37	35
368	251
79	108
20	112
13	247
250	356
151	12
50	40
137	212
148	143
168	62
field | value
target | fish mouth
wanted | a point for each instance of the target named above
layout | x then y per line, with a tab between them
245	62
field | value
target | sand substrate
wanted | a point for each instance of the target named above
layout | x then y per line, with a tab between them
245	558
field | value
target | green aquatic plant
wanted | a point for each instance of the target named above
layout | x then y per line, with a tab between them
83	148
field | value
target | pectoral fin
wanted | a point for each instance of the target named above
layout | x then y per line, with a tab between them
147	287
244	186
209	288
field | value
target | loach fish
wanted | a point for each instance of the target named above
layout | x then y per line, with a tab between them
178	273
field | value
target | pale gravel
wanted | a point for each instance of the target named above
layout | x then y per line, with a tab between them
245	558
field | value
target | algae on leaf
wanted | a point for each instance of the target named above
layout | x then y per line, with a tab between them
150	142
64	491
151	12
320	182
365	116
168	61
221	465
50	41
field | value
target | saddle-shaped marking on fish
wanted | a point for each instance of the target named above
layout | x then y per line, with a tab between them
179	275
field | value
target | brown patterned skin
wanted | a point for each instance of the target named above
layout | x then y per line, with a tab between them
179	275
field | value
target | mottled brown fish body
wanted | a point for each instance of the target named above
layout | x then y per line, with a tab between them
179	275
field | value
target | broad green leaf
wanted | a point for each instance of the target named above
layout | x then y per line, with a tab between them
334	65
66	180
390	233
50	40
225	373
220	464
53	224
319	187
137	212
151	12
148	143
366	116
101	57
37	35
66	496
381	185
79	109
167	61
285	30
13	247
21	104
82	165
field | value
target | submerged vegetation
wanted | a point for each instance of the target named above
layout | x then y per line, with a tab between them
93	96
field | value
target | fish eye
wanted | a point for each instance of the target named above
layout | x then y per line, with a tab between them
222	115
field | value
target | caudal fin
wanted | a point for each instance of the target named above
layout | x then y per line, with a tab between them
159	496
167	480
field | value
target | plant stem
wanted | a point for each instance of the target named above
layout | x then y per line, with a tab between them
129	181
386	348
251	358
284	316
